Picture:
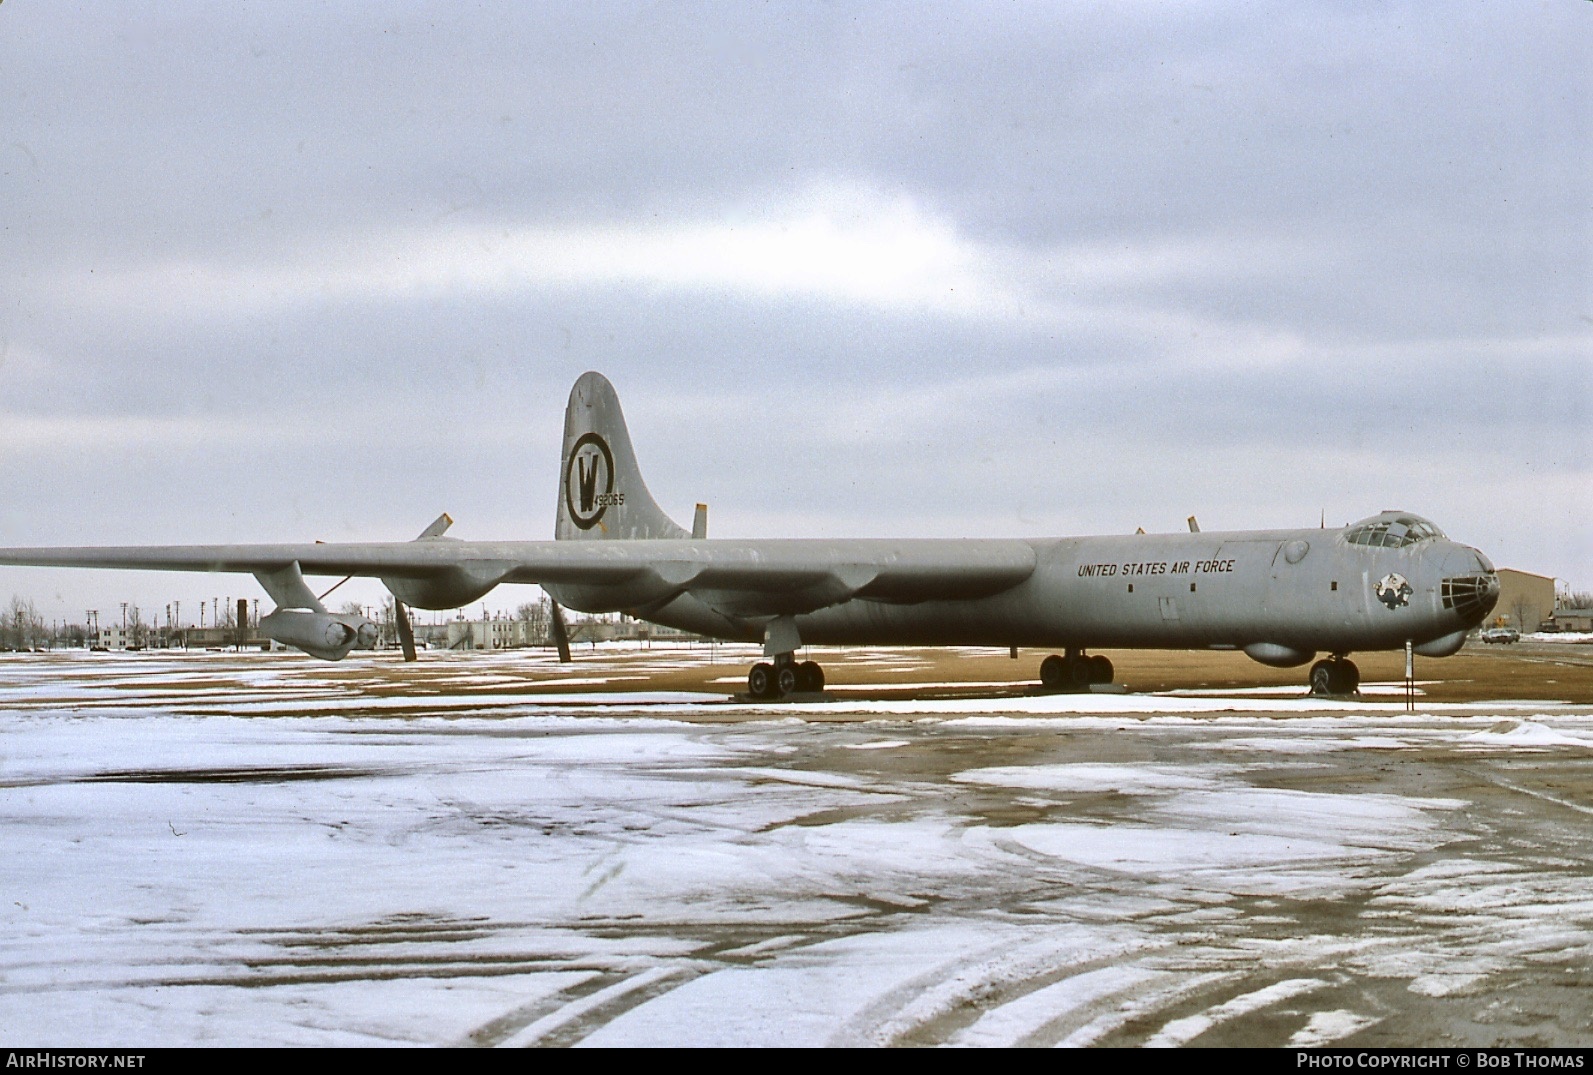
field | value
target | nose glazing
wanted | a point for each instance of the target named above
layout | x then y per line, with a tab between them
1469	588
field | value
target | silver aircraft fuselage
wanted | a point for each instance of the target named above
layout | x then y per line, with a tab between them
1305	590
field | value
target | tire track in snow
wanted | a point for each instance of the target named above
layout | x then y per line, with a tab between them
606	1000
932	1007
1187	1029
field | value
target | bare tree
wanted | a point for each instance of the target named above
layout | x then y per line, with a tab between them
537	617
137	629
24	627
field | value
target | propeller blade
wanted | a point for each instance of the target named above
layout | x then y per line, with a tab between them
439	526
406	633
561	637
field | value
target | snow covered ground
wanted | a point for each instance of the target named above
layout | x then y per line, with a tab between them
253	851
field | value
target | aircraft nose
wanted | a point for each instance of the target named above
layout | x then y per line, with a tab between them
1470	587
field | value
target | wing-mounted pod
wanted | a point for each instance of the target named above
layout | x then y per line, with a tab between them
301	621
326	635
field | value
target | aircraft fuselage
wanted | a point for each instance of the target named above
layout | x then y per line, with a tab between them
1302	590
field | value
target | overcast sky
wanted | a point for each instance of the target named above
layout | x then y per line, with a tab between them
293	271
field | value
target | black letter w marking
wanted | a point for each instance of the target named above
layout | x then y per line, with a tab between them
588	481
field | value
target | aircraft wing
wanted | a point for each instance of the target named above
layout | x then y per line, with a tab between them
752	577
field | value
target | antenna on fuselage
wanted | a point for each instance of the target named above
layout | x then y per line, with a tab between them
1194	527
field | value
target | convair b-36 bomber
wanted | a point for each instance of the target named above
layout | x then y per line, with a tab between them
1284	597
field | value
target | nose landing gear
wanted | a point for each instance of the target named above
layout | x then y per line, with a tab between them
1335	675
1077	671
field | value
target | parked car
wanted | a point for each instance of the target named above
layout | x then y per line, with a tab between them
1501	635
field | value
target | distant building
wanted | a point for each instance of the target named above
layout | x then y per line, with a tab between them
1525	600
223	637
492	634
147	637
1573	619
502	632
114	637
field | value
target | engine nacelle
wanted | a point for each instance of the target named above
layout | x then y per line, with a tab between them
453	588
1447	646
1278	656
326	635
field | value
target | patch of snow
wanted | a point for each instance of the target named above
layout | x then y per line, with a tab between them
1526	733
1087	777
1325	1027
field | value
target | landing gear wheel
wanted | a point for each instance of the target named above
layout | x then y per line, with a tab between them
1322	677
1078	672
785	679
1349	677
760	681
810	677
1053	673
1335	676
1075	672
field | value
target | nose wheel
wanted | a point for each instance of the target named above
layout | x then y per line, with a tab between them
784	676
1335	675
1075	672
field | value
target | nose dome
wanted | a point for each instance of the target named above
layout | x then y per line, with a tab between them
1469	586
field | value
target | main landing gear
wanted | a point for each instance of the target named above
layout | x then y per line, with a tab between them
1075	672
786	675
1335	675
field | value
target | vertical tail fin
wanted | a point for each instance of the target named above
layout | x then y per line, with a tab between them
601	492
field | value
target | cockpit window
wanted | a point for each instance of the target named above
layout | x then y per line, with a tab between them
1391	531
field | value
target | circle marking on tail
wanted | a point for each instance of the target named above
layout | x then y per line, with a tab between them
589	481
